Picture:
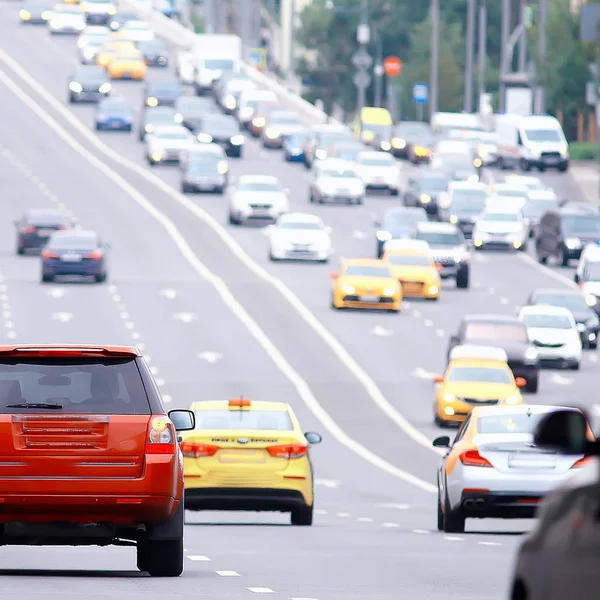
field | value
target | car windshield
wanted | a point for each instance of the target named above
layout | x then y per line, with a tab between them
510	193
204	166
367	271
326	139
124	16
509	424
433	184
543	135
340	173
219	64
403	218
240	420
48	219
77	386
259	186
383	130
536	208
547	321
592	273
412	130
348	154
221	124
306	225
164	88
501	217
436	238
152	47
458	162
471	201
582	224
479	374
82	243
172	135
297	138
159	117
477	332
571	301
382	160
93	74
409	260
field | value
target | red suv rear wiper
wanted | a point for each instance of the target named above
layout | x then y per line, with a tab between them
34	405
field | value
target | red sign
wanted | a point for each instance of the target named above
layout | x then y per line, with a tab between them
392	66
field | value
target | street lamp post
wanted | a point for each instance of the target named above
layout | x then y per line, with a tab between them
435	51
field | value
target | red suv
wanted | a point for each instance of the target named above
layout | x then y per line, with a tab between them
88	454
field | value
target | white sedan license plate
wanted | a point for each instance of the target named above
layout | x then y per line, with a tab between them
71	257
371	299
520	461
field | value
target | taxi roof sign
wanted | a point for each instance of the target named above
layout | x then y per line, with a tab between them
239	402
478	353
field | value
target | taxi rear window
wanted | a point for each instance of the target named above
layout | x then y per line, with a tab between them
409	260
75	386
479	374
254	420
508	423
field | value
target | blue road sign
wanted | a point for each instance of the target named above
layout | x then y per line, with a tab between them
420	93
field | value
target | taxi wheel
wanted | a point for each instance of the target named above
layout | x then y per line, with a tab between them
454	521
161	558
302	516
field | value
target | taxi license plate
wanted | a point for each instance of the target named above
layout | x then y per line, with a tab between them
71	257
370	299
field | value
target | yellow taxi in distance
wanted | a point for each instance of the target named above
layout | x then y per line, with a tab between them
250	456
365	283
414	268
110	49
71	1
475	376
128	65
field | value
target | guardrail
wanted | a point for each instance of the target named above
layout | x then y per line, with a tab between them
176	34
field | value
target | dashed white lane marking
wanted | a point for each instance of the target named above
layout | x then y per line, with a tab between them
503	300
56	292
439	332
489	543
450	538
185	317
364	520
561	380
200	558
423	374
160	382
390	525
416	313
166	398
491	291
129	325
343	515
63	317
428	323
477	285
321	511
261	590
396	506
328	483
168	293
381	331
406	305
421	531
227	573
148	358
154	370
124	316
373	391
135	336
210	357
359	235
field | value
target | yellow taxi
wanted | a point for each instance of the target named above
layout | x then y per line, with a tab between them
128	65
365	283
250	456
411	264
475	376
110	49
71	1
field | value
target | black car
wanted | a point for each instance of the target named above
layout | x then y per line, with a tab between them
35	13
89	84
407	134
36	226
205	176
585	316
397	222
162	93
563	233
156	53
192	109
223	130
425	188
507	333
154	117
121	17
465	206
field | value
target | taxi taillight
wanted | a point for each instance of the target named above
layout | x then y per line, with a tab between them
288	451
472	458
195	450
582	462
161	437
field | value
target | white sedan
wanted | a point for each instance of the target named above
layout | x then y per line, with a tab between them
504	229
167	144
378	171
553	331
258	198
66	18
336	180
299	237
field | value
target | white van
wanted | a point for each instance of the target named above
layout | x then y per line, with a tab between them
533	141
443	123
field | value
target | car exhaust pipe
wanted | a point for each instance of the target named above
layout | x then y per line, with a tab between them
470	503
479	503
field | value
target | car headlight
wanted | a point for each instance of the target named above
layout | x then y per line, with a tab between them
321	154
46	15
178	118
573	243
367	136
272	133
151	101
390	291
583	326
149	128
386	146
105	88
25	15
112	11
531	353
399	143
230	103
425	198
156	156
237	140
564	149
512	400
477	163
348	289
205	138
75	87
88	53
222	167
448	397
258	122
433	289
453	219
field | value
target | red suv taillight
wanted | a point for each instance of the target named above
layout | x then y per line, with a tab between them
27	229
287	451
196	450
161	436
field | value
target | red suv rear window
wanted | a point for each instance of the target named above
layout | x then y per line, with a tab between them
73	385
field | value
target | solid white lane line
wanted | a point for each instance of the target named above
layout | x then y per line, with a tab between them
228	297
547	271
227	573
261	590
199	558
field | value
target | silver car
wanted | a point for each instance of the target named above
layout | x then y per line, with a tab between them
167	144
493	469
66	18
379	171
257	198
280	124
336	180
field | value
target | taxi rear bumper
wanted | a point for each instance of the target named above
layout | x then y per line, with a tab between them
244	499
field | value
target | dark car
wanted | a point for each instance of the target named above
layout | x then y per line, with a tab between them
74	253
35	13
223	130
585	316
162	93
121	17
410	134
89	84
155	117
425	188
204	176
156	53
261	114
115	114
37	225
563	233
507	333
448	249
293	146
192	109
397	223
466	205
